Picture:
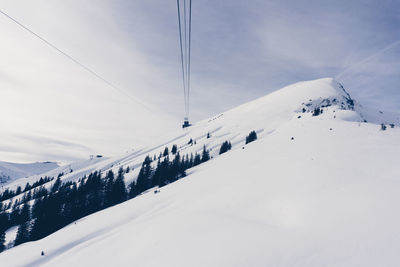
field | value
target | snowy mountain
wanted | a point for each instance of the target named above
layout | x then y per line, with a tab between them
12	171
317	188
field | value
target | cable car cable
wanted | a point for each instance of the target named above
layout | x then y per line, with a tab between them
73	59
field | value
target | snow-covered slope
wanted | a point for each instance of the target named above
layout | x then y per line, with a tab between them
312	191
11	171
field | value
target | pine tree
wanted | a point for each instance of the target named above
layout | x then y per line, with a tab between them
4	221
175	168
14	216
191	161
2	241
251	137
132	190
27	187
22	234
205	155
166	152
56	185
226	146
196	160
157	175
118	193
143	181
174	149
25	213
163	172
108	188
19	189
317	111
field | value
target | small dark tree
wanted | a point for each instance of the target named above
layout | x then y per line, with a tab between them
166	152
157	175
22	234
208	135
19	189
317	111
2	241
383	127
174	149
15	216
109	188
225	147
132	190
27	187
205	156
251	137
4	221
143	181
118	191
196	160
25	214
56	185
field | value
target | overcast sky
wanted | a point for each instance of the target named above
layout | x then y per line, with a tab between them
51	109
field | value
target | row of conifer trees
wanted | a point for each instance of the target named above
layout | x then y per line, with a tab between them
69	201
66	202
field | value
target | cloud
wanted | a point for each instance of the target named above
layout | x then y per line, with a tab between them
241	50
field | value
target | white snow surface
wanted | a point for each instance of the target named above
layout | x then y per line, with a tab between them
11	171
311	191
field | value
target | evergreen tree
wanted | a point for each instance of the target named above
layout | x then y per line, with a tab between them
157	174
175	170
18	191
208	135
205	155
196	160
27	187
4	221
251	137
163	172
22	234
118	192
109	182
143	181
2	241
226	146
25	213
166	152
174	149
14	216
317	111
191	161
132	190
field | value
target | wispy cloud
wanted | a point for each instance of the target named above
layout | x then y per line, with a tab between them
241	50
